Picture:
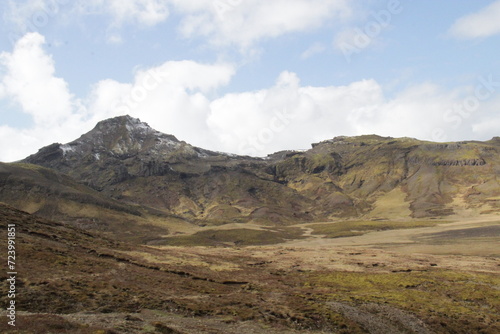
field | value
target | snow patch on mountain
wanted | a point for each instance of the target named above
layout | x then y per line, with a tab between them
66	148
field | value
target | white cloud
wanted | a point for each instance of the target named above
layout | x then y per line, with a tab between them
26	14
291	116
243	23
33	15
483	23
141	13
414	112
106	97
24	143
490	126
171	96
288	116
29	79
487	122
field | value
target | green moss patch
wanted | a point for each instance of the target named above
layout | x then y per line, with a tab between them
239	237
354	228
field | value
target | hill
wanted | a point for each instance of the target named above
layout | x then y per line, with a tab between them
48	193
365	177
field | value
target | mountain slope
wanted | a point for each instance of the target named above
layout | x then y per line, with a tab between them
127	160
48	193
347	177
424	179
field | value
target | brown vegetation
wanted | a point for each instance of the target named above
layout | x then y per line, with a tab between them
73	281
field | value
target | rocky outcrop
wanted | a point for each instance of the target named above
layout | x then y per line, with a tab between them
154	168
468	162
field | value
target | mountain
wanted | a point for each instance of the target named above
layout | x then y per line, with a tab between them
116	149
48	193
384	177
125	159
346	177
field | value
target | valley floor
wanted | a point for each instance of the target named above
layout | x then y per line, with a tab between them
478	236
432	279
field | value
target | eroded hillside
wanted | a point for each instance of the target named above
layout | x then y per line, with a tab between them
346	177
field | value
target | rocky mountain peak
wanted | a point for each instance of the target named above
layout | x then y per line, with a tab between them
122	123
119	148
123	135
119	137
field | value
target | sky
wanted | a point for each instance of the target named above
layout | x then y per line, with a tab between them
249	77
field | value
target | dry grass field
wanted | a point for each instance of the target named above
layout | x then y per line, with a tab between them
362	277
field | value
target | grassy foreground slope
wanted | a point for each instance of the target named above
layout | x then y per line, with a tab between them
72	281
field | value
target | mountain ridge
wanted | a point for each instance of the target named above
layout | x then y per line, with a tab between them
341	178
137	128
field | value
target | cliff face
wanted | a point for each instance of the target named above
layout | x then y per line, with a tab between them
345	177
433	179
